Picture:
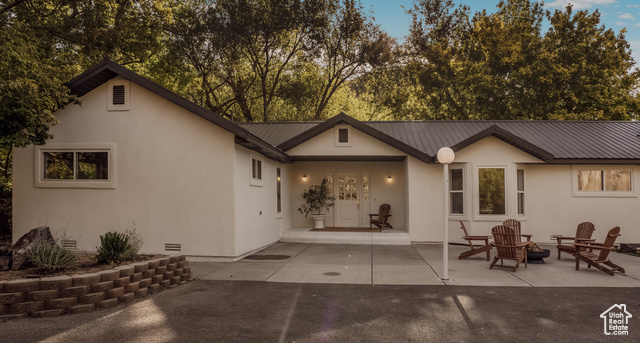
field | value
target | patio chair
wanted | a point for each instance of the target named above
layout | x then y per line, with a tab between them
583	234
508	247
601	261
515	225
382	217
478	248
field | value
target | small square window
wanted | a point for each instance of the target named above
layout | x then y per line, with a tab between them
343	135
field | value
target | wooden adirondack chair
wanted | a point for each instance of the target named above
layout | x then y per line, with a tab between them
382	219
601	261
477	249
508	247
583	235
515	225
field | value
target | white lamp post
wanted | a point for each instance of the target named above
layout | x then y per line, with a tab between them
445	157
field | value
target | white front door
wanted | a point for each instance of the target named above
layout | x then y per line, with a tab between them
347	201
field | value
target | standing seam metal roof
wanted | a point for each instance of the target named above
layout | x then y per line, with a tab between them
565	140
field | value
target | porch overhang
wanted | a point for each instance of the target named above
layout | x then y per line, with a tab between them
349	158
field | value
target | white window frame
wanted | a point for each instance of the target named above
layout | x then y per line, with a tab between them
253	181
279	179
523	192
41	182
604	193
336	131
508	169
465	184
111	107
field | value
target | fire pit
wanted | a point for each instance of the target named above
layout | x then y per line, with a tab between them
537	257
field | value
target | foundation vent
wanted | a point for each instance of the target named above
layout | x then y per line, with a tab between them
118	95
172	247
70	244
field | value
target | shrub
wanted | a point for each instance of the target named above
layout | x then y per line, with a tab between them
135	242
50	256
113	247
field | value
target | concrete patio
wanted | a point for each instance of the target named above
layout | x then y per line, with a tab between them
419	264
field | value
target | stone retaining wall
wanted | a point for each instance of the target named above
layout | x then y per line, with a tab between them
52	296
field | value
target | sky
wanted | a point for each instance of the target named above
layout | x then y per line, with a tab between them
616	14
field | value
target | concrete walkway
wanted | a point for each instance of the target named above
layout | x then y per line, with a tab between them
407	265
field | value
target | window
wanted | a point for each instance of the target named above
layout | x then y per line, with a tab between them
456	187
75	166
613	180
278	191
342	135
256	169
491	192
520	192
347	188
365	187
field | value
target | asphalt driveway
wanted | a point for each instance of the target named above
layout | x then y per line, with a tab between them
242	311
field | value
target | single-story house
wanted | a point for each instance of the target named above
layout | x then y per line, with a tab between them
196	182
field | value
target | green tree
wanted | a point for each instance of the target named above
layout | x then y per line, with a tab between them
350	46
591	69
501	66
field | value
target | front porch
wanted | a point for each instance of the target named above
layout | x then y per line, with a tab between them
306	235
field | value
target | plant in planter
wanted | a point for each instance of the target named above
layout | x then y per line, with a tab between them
316	199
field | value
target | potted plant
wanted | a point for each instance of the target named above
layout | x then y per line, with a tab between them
316	199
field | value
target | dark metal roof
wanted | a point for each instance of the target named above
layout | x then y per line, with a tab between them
551	141
107	69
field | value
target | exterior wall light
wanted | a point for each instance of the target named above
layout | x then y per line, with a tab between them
304	178
389	178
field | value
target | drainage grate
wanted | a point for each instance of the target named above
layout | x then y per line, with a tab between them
172	247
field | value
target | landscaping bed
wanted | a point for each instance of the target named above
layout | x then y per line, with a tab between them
90	289
86	264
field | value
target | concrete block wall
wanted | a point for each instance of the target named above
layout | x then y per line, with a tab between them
52	296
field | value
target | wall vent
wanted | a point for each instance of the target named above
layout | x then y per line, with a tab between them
69	244
118	95
172	247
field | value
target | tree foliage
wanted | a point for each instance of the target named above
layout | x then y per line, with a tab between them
502	66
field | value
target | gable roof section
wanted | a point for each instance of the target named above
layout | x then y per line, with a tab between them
508	137
563	142
356	124
107	69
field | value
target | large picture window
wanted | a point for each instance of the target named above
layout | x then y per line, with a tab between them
491	184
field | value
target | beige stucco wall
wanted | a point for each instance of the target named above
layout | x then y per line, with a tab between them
381	191
552	208
361	144
424	201
257	222
551	204
173	172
